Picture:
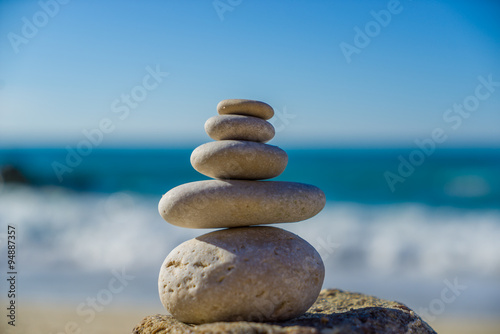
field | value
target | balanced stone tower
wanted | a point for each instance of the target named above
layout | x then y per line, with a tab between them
242	272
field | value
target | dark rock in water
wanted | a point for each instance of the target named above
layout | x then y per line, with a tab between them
335	311
10	174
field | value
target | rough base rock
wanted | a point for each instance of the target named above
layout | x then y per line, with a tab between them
335	311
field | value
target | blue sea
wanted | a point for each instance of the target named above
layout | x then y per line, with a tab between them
397	224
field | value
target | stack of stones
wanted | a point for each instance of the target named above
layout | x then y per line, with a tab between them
242	272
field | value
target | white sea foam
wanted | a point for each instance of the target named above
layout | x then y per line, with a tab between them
401	251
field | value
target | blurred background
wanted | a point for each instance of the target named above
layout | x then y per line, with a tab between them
391	107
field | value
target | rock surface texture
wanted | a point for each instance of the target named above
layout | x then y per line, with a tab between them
245	107
239	127
245	272
334	311
239	159
233	203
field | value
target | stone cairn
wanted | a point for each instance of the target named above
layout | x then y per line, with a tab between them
242	272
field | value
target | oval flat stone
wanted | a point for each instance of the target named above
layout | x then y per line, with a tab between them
232	203
245	107
241	274
238	159
239	127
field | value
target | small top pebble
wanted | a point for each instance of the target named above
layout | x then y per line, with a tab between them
245	107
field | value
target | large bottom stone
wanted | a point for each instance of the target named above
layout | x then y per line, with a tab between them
249	273
335	311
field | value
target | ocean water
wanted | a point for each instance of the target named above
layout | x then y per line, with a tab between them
464	178
439	228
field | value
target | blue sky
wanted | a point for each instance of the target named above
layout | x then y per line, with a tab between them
72	72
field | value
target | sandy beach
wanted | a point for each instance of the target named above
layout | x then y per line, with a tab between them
462	325
43	319
51	319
